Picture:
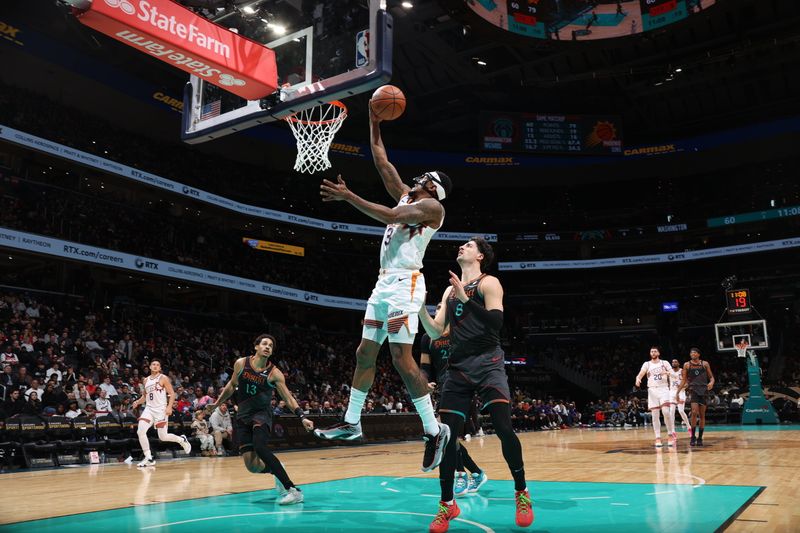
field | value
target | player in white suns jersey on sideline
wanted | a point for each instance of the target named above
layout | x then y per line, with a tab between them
392	309
158	398
658	394
677	399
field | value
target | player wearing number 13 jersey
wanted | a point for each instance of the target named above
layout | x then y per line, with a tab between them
254	381
393	307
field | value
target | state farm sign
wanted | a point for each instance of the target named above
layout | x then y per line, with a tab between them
177	36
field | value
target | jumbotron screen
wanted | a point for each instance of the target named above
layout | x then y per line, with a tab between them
548	133
581	20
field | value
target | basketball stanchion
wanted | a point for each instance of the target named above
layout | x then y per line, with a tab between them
314	129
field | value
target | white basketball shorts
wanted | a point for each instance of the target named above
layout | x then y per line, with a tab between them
393	307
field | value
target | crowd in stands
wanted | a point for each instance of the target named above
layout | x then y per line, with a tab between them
61	357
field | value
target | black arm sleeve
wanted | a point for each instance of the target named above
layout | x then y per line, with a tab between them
493	318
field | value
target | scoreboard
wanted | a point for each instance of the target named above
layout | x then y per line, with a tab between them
553	134
658	13
738	301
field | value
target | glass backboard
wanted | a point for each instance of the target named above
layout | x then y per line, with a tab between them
730	333
325	50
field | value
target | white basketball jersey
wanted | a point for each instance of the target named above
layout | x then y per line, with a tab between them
155	394
404	245
657	374
674	378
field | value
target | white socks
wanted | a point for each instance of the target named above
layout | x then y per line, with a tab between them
354	406
424	407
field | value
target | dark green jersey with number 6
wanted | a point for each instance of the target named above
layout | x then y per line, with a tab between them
254	394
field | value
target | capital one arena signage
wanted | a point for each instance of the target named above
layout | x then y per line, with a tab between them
175	35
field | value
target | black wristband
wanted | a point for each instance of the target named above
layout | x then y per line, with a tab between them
299	413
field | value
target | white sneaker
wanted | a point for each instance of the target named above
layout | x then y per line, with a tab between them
280	488
481	433
292	497
147	461
467	437
186	445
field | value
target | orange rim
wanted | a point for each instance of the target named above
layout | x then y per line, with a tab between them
337	118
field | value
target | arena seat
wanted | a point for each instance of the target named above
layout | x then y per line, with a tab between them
10	441
60	432
37	451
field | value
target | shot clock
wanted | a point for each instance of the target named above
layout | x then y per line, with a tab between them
738	301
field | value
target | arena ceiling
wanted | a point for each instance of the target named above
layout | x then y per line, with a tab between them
736	63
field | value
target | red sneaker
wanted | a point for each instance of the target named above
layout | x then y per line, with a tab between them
446	513
524	508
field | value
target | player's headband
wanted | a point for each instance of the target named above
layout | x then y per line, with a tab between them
441	194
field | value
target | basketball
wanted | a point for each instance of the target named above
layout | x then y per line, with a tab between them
388	102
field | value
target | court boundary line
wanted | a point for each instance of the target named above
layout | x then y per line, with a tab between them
742	508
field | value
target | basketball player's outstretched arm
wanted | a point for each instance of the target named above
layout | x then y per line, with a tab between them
279	381
391	178
426	211
229	389
435	326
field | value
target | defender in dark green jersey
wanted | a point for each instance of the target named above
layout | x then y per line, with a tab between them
254	381
472	309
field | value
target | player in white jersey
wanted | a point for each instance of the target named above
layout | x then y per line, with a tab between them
392	309
658	394
158	398
677	398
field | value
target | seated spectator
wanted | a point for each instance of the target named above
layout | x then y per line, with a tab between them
737	401
200	427
108	387
53	397
184	406
34	405
280	409
15	404
9	357
221	426
35	388
84	398
54	370
7	378
69	377
90	386
73	410
102	403
209	397
89	411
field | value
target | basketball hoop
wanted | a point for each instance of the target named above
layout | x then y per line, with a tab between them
742	347
314	129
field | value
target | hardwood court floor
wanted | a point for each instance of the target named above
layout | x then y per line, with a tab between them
594	480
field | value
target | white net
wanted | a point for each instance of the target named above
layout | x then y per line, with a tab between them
741	348
314	129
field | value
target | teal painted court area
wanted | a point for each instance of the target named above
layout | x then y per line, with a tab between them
368	504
